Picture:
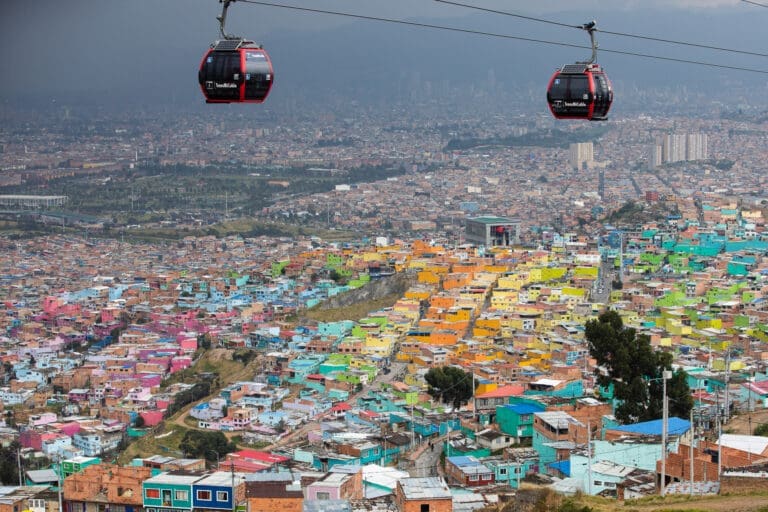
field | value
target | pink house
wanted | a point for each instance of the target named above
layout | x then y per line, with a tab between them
151	418
69	429
31	439
45	418
162	404
187	344
151	380
180	363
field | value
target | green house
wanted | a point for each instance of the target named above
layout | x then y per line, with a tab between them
517	419
77	464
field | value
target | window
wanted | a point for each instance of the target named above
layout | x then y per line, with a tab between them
204	495
424	507
152	493
181	495
473	478
502	471
485	476
610	485
323	496
598	482
222	496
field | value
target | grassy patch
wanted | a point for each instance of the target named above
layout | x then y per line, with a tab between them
157	442
353	312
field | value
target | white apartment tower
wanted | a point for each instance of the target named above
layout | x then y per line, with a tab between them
673	148
696	146
581	154
654	157
681	147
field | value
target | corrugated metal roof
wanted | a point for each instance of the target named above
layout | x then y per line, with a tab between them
425	488
675	427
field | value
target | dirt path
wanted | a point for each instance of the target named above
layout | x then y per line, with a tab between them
741	423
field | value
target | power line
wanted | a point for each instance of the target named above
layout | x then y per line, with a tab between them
501	36
623	34
755	3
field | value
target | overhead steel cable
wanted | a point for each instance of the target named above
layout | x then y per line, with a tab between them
622	34
493	34
755	3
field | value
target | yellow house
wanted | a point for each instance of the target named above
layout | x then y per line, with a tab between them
592	272
709	323
577	293
719	365
378	345
370	257
429	277
463	314
511	281
504	301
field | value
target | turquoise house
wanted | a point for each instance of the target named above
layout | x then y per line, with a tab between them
337	329
169	491
517	419
510	472
558	388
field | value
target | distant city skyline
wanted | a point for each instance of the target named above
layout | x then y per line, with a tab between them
115	52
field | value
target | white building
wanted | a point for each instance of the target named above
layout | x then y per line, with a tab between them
581	155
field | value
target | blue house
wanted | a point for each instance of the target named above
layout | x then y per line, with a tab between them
675	427
217	491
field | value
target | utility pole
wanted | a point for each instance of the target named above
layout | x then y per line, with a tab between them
726	412
474	401
719	446
693	434
58	476
18	463
589	458
666	374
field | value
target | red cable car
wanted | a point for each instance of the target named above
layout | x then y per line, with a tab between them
235	70
581	90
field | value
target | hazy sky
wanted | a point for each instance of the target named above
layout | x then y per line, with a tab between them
153	47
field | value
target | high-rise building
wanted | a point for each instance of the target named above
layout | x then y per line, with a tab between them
680	147
601	184
673	148
654	157
696	146
581	154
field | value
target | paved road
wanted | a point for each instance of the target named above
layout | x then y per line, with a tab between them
426	459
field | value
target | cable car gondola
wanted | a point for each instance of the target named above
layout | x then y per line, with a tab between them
235	70
581	90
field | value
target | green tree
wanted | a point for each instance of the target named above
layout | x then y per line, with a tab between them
761	430
9	474
627	360
203	444
204	341
450	385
